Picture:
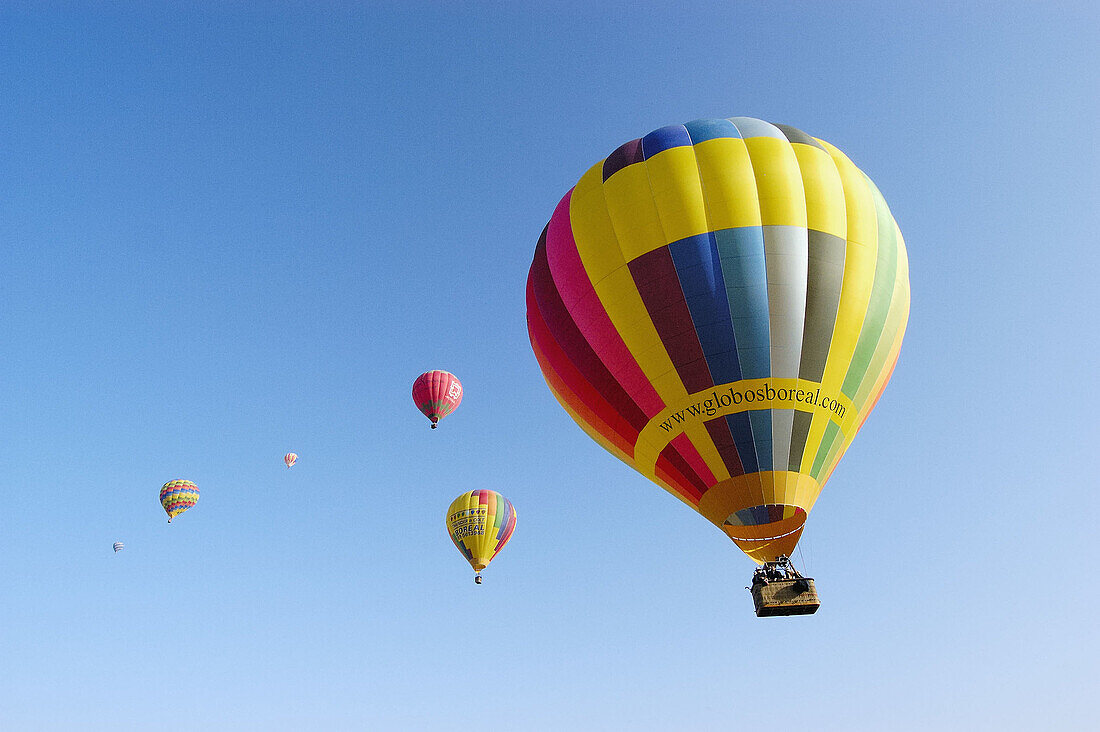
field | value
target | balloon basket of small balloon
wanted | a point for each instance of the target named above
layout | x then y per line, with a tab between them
794	596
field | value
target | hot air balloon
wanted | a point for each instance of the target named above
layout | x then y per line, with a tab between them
118	546
437	394
480	524
177	496
290	458
720	305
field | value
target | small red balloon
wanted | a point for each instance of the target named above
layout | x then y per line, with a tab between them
437	394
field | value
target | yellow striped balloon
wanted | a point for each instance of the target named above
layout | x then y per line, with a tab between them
480	523
720	304
177	496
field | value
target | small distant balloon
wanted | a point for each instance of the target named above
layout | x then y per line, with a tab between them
118	546
480	524
290	458
437	394
177	496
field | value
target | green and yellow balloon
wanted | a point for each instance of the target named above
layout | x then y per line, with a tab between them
720	305
176	496
480	523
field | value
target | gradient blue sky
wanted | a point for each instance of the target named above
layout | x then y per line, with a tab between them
230	232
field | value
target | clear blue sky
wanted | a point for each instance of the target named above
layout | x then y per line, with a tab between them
231	232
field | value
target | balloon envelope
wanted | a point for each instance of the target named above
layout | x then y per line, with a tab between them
480	523
437	394
177	496
720	305
290	458
118	546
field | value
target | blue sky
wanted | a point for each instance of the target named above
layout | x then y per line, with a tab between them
231	232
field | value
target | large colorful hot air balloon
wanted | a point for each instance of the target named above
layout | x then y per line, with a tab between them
290	458
118	546
437	394
480	524
720	304
177	496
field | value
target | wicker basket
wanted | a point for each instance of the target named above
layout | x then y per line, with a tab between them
795	596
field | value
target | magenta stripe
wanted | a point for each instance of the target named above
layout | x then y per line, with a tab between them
591	318
683	445
564	330
588	313
671	453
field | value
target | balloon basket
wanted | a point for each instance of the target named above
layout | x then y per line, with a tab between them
778	589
